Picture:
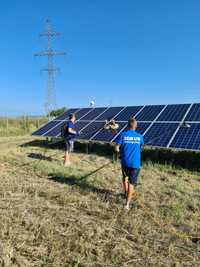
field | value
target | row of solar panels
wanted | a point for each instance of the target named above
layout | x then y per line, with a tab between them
161	125
142	113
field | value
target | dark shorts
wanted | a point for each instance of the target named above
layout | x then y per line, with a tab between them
131	173
69	145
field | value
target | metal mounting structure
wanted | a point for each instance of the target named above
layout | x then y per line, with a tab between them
50	53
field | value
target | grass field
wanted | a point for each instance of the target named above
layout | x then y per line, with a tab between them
73	217
20	126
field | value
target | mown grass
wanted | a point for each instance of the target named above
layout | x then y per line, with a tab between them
55	216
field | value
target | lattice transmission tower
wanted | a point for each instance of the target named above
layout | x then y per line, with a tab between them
50	53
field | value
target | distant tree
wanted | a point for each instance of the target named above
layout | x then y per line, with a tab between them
57	112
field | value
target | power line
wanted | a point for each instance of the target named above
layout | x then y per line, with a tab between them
50	53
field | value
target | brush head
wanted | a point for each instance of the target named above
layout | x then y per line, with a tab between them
185	125
111	126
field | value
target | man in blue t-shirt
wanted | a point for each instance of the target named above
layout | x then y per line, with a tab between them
69	136
128	144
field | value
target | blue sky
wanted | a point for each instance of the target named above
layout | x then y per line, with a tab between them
118	52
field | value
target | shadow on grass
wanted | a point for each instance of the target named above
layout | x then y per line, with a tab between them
43	144
189	160
85	186
39	156
80	147
100	149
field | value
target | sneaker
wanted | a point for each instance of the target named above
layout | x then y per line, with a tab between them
127	207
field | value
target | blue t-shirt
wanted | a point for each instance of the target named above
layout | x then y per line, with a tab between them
70	136
130	148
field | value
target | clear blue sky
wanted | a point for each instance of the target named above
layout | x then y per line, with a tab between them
119	52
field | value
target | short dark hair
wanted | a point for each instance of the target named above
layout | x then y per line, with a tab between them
131	121
71	116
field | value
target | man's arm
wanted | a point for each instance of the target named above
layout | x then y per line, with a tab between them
71	131
141	142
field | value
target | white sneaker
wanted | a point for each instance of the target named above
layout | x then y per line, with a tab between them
127	207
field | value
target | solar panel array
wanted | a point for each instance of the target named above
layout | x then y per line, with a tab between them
161	125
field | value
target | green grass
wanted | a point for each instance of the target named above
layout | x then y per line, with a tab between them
20	126
55	216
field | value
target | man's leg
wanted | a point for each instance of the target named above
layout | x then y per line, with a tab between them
133	175
131	192
125	185
125	181
72	146
67	154
67	157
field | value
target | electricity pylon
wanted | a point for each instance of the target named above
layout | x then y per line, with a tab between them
50	53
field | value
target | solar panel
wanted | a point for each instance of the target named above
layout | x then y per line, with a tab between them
66	114
142	127
91	130
194	113
160	124
95	112
107	136
82	112
187	137
81	124
54	131
110	113
160	134
149	113
173	113
47	127
127	113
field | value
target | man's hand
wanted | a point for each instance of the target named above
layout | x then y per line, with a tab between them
71	131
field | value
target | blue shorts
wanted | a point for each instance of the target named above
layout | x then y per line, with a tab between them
131	173
69	145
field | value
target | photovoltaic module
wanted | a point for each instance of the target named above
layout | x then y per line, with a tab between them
161	125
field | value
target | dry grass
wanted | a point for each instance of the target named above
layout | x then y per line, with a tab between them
20	126
57	217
